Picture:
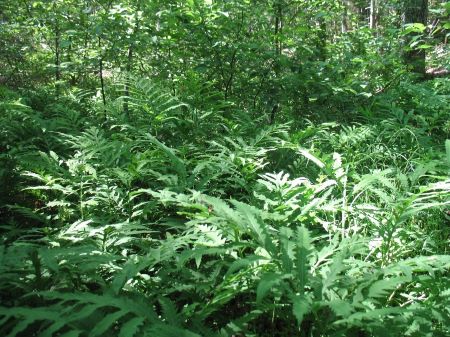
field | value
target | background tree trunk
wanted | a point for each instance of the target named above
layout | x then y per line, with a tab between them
100	72
129	66
373	14
346	22
278	30
57	57
416	11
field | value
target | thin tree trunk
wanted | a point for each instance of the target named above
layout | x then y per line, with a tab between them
416	11
127	86
273	113
345	21
129	66
278	30
57	57
100	73
373	14
233	60
229	83
73	78
322	36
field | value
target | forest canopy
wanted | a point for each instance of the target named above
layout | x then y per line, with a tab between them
230	168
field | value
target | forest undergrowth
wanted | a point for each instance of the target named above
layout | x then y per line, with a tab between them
173	218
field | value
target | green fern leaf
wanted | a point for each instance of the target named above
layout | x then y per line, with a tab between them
341	308
300	307
383	287
29	316
241	263
164	330
266	283
73	333
170	313
287	249
308	155
302	250
131	327
107	323
177	163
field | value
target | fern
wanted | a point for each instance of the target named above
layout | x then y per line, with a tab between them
197	220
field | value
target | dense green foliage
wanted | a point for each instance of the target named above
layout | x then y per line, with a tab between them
223	168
